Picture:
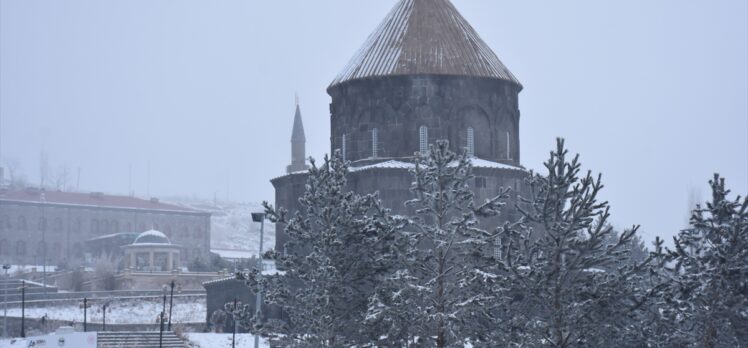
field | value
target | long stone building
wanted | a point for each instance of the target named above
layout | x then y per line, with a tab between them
31	219
423	75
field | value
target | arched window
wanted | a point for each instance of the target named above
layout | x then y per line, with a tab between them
41	248
21	248
22	223
375	143
423	133
470	141
343	147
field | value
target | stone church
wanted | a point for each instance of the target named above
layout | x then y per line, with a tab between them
423	75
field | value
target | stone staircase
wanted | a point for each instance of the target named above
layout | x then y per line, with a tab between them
139	339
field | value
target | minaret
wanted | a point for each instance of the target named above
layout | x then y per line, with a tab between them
298	143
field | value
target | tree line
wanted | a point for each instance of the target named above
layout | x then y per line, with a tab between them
355	274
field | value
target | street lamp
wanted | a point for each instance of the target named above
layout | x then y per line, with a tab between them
23	308
161	327
171	302
259	217
104	308
6	267
84	305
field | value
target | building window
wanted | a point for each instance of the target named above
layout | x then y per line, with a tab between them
21	248
22	223
423	133
3	247
343	147
41	249
470	141
58	224
375	143
508	146
497	247
94	226
42	224
480	182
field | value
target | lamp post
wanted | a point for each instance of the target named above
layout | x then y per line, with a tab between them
233	333
104	308
23	308
6	267
171	302
85	310
161	330
259	217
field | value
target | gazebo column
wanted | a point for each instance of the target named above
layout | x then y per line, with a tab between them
151	263
171	262
133	260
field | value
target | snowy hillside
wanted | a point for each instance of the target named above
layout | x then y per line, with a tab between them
232	227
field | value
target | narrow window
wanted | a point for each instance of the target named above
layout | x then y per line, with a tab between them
497	247
375	143
470	141
342	147
508	146
423	132
480	182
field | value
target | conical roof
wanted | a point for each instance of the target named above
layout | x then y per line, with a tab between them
425	37
298	127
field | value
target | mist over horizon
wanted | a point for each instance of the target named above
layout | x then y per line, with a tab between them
184	100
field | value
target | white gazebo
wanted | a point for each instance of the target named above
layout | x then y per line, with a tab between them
152	252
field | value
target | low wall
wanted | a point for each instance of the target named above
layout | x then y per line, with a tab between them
34	327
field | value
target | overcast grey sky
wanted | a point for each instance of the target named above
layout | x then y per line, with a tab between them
653	94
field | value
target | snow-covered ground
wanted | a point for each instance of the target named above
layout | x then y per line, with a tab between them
215	340
130	311
231	223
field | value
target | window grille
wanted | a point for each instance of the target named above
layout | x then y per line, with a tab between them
508	146
423	133
470	141
343	147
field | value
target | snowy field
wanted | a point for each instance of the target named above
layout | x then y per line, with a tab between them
215	340
130	311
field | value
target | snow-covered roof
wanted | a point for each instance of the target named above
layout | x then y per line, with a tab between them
425	37
152	237
234	254
395	164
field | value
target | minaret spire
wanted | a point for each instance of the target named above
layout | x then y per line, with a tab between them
298	143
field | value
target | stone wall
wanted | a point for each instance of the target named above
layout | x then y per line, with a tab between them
397	106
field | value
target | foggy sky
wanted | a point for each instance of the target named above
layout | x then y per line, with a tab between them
653	94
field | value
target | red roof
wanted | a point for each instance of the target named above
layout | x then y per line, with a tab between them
94	199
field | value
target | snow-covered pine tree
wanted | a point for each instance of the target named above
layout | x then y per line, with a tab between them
568	286
710	272
340	245
431	291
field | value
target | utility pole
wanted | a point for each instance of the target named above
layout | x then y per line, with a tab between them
6	267
259	217
44	243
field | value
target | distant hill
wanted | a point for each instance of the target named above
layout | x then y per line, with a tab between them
232	227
